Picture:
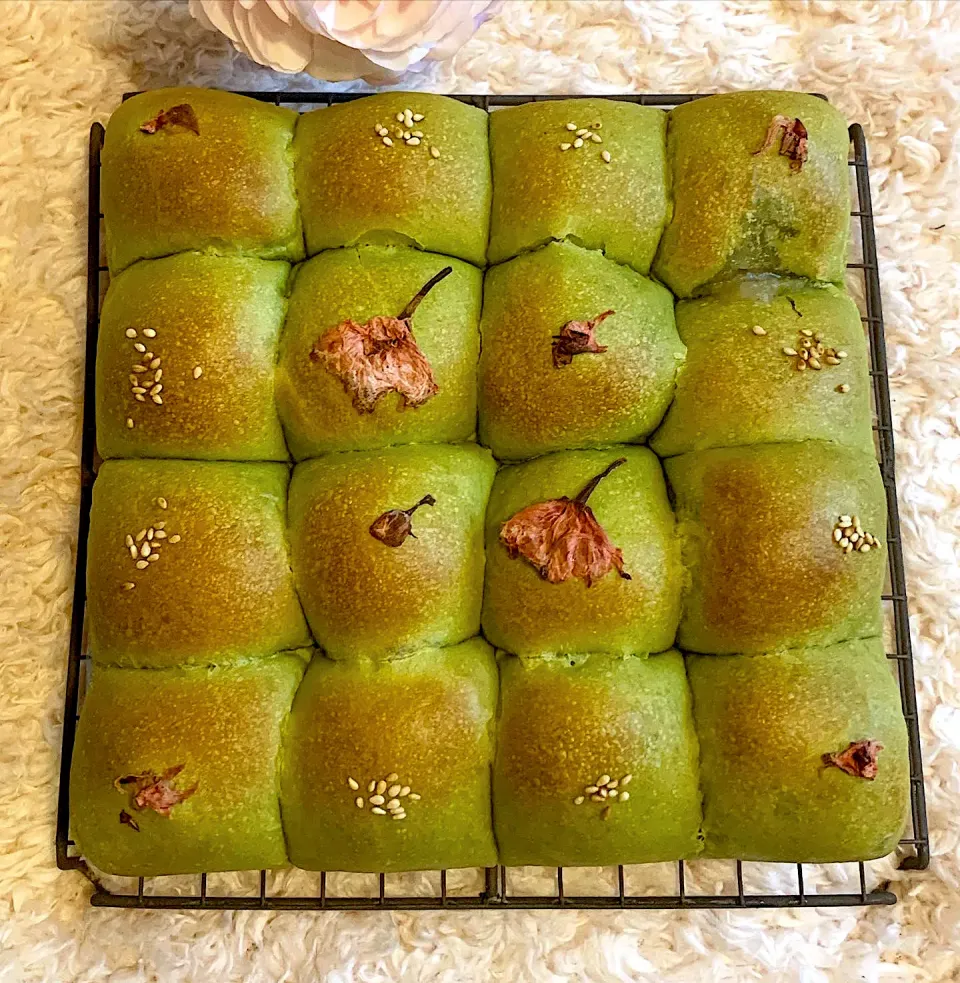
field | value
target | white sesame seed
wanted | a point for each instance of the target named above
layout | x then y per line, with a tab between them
864	547
417	117
174	539
387	142
381	787
613	783
844	520
404	791
162	502
624	796
571	126
359	801
565	146
435	153
392	777
418	133
128	540
413	142
597	797
406	134
790	351
844	542
393	791
153	557
145	549
134	552
353	784
155	363
596	125
129	585
855	520
139	397
129	423
596	138
158	375
149	333
156	389
603	779
158	400
832	360
757	330
837	534
408	112
147	356
140	535
142	564
583	132
414	796
590	789
841	354
197	371
393	804
377	811
138	390
606	156
399	117
377	800
578	143
578	801
806	332
614	792
140	347
626	779
131	332
160	525
160	534
151	532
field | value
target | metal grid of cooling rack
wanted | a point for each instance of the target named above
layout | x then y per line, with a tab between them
496	892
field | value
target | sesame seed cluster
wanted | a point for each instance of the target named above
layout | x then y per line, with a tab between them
583	344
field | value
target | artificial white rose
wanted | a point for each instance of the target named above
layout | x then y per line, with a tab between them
337	40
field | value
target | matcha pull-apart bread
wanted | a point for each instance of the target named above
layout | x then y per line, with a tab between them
188	168
399	168
387	546
186	359
596	761
188	563
577	351
380	347
803	753
589	170
760	184
769	360
582	555
386	765
783	545
175	771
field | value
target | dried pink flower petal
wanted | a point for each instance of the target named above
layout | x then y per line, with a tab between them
380	356
562	539
393	527
152	791
182	115
793	140
577	338
859	758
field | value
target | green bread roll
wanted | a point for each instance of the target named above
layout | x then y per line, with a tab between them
216	174
210	580
200	333
543	192
765	568
538	393
740	387
387	546
774	731
744	201
386	766
434	194
318	408
175	771
629	531
596	762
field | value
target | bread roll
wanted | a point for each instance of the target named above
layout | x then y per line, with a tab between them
320	414
210	581
386	765
433	194
766	723
596	761
210	326
175	771
543	192
526	614
217	175
745	201
381	569
536	395
765	568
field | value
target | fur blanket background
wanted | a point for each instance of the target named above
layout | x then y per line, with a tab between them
893	66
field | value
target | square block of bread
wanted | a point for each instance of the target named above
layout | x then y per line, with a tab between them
229	188
364	597
596	761
525	614
530	404
739	206
211	575
200	333
765	723
738	387
218	728
764	569
354	188
319	413
542	192
386	765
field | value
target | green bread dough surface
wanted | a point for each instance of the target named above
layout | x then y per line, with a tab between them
764	723
358	284
222	592
763	570
221	314
354	189
735	210
364	598
564	723
740	388
228	190
223	725
526	615
429	720
528	406
543	193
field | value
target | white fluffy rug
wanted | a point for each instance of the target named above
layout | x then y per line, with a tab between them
893	66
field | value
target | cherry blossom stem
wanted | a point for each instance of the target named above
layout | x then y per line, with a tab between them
593	482
426	500
407	312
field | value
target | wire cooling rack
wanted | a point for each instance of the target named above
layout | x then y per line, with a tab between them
684	885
